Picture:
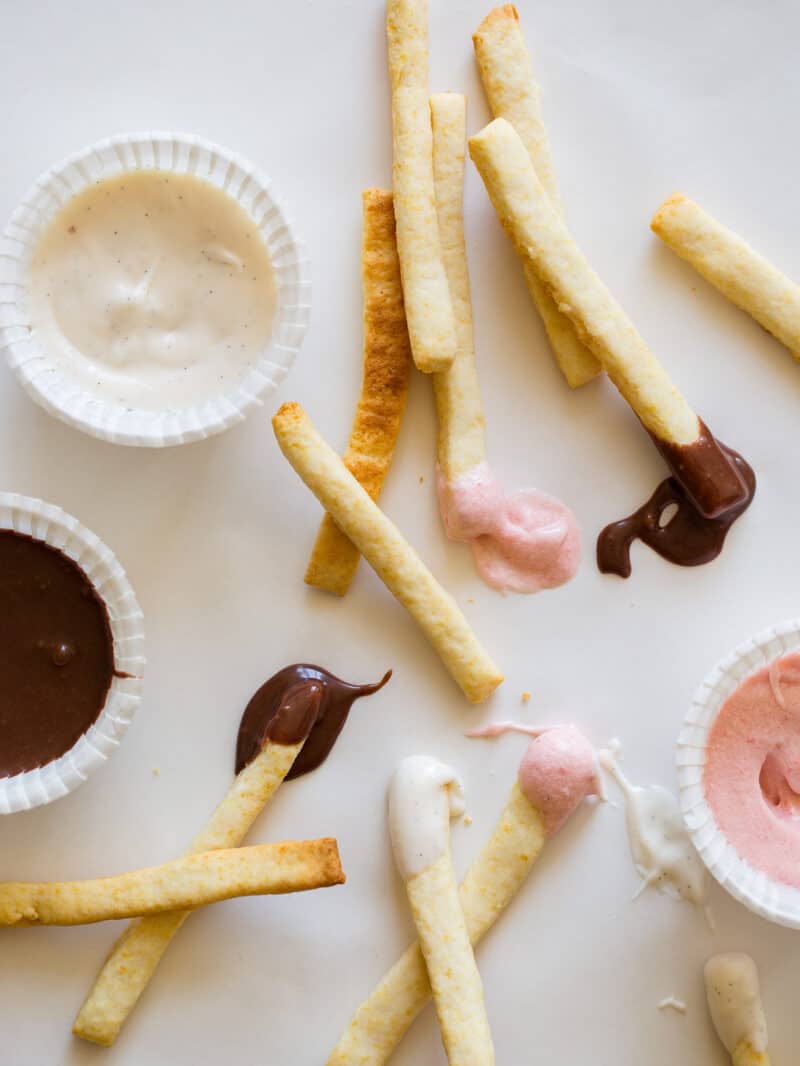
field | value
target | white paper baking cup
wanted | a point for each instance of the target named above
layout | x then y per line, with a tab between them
43	521
771	899
62	396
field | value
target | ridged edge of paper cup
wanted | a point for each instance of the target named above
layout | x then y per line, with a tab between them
181	153
46	522
770	899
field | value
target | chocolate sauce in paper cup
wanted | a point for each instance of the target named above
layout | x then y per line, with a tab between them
74	634
59	376
764	895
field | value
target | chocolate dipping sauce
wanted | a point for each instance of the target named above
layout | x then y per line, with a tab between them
710	474
56	653
692	536
300	701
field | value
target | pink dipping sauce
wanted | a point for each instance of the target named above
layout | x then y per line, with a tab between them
752	772
557	772
522	541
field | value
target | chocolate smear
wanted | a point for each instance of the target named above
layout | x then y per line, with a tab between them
300	701
689	537
710	474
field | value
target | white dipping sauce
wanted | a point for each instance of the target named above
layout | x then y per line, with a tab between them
423	797
662	852
734	1001
152	289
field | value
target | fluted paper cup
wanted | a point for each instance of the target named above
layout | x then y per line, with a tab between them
47	380
773	900
55	527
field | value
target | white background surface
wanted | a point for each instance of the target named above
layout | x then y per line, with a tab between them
640	99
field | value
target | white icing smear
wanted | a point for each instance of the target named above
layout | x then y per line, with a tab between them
672	1003
660	846
152	289
423	796
734	1001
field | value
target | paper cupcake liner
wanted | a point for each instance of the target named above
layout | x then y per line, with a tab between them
48	523
771	899
45	380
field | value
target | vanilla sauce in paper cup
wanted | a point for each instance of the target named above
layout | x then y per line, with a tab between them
61	377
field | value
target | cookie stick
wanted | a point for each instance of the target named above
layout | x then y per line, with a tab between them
192	881
541	238
512	92
423	797
429	311
524	540
387	552
136	955
462	436
535	811
733	267
734	1002
384	387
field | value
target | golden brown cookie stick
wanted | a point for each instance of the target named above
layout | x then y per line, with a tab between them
541	239
193	881
462	436
492	881
387	552
733	267
136	955
429	311
513	94
384	388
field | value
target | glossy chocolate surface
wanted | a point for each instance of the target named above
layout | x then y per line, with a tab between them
688	538
300	701
56	653
710	474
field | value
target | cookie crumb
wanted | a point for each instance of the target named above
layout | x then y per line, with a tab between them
467	820
470	599
671	1003
421	479
525	697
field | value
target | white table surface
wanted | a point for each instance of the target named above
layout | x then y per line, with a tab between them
640	99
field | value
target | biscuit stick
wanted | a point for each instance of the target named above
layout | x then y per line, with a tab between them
705	471
542	240
383	391
193	881
387	552
733	267
492	881
424	795
513	94
136	955
429	311
734	1002
462	439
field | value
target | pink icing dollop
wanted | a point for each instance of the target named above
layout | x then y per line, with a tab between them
752	772
557	772
522	541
